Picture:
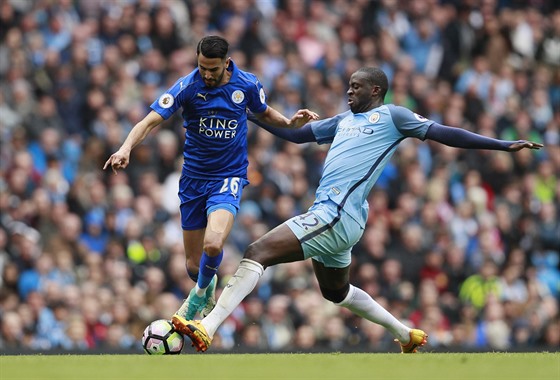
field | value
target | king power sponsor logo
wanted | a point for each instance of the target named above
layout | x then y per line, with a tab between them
217	128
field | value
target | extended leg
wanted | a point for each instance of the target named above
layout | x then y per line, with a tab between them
334	285
277	246
203	296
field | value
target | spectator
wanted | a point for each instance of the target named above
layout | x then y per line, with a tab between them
12	331
277	325
478	287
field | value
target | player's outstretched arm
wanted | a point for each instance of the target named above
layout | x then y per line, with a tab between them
460	138
274	118
298	136
121	158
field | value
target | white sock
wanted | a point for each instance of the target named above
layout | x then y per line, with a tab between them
237	288
361	303
199	291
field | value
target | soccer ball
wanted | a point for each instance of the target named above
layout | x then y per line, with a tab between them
161	338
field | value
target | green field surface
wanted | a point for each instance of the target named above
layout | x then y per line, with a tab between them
522	366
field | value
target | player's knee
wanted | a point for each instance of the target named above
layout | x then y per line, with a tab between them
335	295
192	266
253	252
213	248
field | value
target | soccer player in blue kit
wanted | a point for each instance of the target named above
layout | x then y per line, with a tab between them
214	99
363	140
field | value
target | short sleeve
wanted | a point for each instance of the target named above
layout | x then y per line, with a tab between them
171	100
408	123
256	101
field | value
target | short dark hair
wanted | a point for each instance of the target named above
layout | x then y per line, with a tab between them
213	47
376	77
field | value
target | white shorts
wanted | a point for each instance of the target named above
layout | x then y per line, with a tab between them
326	234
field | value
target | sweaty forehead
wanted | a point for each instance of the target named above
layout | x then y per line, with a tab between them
358	77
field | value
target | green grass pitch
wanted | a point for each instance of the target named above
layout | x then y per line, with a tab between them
335	366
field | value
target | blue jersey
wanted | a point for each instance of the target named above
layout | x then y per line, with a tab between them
362	145
215	119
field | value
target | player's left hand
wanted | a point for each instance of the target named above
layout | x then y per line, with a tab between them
302	117
521	144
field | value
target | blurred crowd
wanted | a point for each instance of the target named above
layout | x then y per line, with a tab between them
462	244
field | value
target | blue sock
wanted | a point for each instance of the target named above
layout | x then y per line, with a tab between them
208	268
193	276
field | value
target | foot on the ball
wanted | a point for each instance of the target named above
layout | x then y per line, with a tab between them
194	330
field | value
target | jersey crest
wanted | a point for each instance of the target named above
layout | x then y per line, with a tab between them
238	96
374	117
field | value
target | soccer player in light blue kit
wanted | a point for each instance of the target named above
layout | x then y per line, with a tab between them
363	140
214	99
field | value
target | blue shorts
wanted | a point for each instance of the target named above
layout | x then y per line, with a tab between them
326	234
200	197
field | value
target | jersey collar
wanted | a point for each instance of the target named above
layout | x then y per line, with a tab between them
234	71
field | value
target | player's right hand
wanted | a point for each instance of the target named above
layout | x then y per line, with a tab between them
118	160
524	144
302	117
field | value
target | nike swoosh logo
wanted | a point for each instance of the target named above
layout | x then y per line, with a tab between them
228	285
212	268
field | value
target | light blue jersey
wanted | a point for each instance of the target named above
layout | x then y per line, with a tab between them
362	145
